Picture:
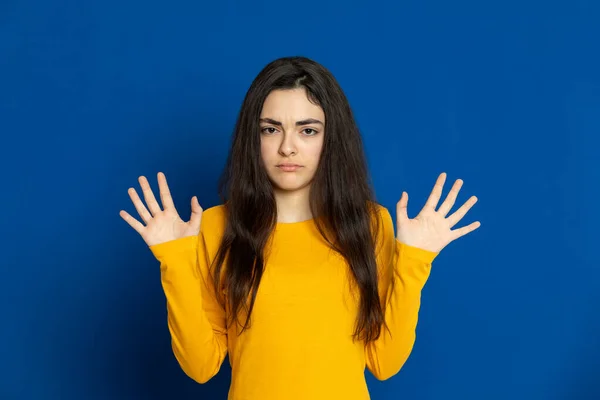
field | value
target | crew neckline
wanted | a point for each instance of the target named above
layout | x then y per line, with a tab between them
295	223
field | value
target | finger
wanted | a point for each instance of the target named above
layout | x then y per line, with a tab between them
465	229
149	196
402	208
460	213
196	212
451	198
165	192
134	223
139	206
436	193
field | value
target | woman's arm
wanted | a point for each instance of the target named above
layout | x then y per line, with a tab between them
196	321
404	271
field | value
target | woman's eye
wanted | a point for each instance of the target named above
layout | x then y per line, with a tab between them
268	129
307	131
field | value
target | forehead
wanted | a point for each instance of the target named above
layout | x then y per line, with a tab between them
290	102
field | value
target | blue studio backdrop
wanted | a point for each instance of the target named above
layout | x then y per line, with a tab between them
504	95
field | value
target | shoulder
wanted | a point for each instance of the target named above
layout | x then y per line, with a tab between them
214	220
381	213
215	213
383	228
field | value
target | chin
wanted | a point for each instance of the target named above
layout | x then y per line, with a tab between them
288	185
289	182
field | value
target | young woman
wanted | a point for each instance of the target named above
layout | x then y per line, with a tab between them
298	275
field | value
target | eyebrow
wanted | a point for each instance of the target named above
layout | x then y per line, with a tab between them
298	123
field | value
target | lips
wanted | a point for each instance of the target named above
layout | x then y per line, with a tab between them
289	167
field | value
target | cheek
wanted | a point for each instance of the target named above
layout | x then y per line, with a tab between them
316	151
264	150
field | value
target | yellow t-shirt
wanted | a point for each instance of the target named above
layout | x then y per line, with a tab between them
299	344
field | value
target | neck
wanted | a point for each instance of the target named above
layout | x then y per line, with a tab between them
293	206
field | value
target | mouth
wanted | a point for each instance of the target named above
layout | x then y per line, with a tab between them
289	167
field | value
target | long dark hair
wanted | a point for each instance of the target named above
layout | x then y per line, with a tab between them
342	200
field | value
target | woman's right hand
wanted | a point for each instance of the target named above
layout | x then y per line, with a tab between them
161	225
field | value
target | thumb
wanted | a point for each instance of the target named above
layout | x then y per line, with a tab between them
401	208
196	212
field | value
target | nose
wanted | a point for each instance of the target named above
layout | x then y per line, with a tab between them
287	147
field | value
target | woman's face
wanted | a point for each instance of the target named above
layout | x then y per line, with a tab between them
292	130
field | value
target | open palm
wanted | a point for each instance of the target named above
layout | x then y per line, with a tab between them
430	229
161	225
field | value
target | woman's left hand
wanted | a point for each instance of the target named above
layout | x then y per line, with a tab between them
431	230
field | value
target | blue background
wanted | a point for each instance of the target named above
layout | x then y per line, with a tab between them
504	95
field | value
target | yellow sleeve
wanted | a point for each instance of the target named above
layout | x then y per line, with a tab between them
196	321
404	271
